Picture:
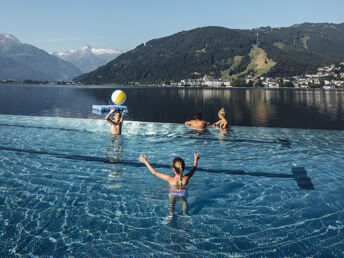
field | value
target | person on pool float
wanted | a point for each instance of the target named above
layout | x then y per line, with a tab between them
222	123
116	123
177	182
197	123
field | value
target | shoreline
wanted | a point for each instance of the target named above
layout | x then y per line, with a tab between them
158	86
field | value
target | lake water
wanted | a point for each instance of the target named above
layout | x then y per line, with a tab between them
286	108
69	188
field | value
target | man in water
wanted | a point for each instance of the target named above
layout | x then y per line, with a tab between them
197	123
116	123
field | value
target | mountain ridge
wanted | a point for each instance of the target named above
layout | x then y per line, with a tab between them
32	63
88	58
221	52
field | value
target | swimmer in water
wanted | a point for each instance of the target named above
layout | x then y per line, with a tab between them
222	123
116	123
197	123
177	182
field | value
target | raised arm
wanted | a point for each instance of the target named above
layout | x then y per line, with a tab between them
162	176
193	170
122	117
107	118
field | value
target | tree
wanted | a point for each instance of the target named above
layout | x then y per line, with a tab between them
259	83
239	83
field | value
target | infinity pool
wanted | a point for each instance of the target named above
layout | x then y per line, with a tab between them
69	188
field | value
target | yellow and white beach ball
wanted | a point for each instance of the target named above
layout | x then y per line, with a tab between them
118	97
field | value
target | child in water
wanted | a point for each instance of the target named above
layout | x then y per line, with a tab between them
116	123
177	182
222	123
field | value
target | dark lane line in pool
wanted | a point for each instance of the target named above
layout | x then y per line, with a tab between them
44	127
298	173
283	142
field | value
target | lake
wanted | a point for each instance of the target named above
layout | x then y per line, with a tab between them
286	108
68	188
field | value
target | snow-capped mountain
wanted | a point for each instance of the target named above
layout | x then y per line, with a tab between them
20	61
8	38
88	58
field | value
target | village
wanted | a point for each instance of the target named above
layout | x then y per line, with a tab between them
326	77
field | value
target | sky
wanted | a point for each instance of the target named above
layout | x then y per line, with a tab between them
60	25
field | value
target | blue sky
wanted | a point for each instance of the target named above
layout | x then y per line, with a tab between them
59	25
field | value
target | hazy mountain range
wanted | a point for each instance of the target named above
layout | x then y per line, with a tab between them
19	61
225	53
87	58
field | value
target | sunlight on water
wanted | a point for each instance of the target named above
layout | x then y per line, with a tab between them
69	188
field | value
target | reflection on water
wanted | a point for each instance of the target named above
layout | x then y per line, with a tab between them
114	153
293	108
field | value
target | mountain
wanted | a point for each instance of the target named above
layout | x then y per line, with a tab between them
19	61
225	53
302	48
12	70
328	29
87	58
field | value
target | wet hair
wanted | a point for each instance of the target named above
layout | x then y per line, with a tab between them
119	115
176	160
222	112
198	115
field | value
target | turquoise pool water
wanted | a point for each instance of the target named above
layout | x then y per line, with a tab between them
69	188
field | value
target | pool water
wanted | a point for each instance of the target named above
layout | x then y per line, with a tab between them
69	188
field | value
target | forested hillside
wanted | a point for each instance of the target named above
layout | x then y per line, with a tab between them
225	53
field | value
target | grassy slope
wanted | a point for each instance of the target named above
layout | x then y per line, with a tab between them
259	62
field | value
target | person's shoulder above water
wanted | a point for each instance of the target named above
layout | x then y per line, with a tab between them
223	122
197	123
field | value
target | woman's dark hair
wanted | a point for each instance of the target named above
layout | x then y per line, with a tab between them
174	161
